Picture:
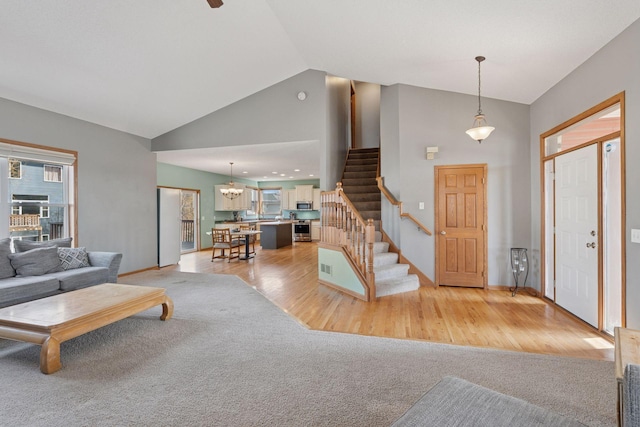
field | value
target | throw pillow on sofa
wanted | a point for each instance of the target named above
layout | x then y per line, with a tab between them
6	269
27	245
36	262
71	258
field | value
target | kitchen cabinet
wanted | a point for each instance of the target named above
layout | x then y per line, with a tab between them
241	203
304	193
317	203
315	230
275	235
289	199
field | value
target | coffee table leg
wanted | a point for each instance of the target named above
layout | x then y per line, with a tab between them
50	356
167	309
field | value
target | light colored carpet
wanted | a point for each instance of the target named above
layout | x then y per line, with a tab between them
229	357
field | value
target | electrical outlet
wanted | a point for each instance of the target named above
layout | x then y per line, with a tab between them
421	205
635	235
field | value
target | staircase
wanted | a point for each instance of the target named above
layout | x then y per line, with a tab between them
359	182
360	186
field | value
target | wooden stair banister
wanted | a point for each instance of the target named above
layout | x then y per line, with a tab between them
343	226
390	197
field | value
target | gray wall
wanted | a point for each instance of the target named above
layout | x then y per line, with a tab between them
413	118
613	69
116	180
270	116
367	126
338	131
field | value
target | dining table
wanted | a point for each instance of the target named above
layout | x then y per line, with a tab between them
247	236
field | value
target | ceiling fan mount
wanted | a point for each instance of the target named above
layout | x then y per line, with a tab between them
215	3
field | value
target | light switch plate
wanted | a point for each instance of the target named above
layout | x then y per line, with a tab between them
635	235
421	205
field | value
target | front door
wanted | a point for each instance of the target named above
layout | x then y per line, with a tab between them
461	225
576	211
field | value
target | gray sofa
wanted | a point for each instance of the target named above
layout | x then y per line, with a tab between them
41	269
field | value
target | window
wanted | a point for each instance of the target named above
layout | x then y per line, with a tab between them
271	201
15	169
52	173
37	200
25	204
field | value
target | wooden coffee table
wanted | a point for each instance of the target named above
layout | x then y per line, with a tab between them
53	320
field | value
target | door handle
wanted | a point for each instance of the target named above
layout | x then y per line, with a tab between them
443	232
591	245
593	232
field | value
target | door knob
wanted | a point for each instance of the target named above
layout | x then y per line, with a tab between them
593	232
443	232
591	245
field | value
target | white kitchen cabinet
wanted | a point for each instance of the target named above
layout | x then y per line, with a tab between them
292	200
304	193
315	230
316	199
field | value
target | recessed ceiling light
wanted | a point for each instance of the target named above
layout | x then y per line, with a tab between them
296	170
282	174
264	176
275	173
290	177
310	174
245	172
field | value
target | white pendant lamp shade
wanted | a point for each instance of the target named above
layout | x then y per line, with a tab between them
480	130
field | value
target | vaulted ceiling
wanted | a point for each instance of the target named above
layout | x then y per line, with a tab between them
149	66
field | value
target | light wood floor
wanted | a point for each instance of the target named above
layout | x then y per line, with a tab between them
463	316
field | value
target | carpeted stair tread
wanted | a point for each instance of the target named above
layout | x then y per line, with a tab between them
359	182
353	189
399	285
361	168
384	258
367	206
363	162
364	197
393	271
360	175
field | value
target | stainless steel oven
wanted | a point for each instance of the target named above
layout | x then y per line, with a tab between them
302	231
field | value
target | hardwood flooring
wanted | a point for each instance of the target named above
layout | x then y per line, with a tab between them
462	316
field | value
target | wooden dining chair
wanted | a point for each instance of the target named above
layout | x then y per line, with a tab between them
252	238
222	241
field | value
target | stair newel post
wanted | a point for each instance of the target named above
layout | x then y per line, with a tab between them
370	237
338	213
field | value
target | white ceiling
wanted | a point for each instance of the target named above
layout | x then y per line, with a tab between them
149	66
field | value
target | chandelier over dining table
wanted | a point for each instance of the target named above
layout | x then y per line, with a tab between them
231	191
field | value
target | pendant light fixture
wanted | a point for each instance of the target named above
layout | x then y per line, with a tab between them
231	192
480	130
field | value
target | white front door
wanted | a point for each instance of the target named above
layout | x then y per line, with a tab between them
576	211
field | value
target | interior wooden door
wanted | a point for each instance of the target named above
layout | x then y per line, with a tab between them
461	225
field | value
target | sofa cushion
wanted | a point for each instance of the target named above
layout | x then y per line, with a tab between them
26	245
456	402
81	277
14	290
36	262
71	258
6	269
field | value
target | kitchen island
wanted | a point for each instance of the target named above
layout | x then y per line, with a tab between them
275	234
